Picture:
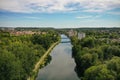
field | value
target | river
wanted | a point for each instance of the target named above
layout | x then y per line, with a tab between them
62	64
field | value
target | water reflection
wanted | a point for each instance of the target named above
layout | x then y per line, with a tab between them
47	61
62	65
79	72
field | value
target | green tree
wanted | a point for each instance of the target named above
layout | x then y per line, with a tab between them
88	42
99	72
114	65
10	67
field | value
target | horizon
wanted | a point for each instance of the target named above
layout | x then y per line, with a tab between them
65	28
60	14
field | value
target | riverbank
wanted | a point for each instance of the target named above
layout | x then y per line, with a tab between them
41	62
62	64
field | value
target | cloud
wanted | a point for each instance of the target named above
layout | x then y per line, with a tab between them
88	17
31	17
114	13
30	6
83	17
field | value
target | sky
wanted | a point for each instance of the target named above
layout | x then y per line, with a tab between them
60	13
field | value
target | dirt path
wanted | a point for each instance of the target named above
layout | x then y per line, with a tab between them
41	61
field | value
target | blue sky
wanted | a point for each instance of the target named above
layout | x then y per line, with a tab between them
60	13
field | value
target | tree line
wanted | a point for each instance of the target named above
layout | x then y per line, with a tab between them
18	54
97	56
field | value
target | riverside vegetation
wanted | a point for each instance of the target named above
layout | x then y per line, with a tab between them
97	56
19	54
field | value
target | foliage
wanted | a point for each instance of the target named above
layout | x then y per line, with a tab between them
97	56
18	54
99	72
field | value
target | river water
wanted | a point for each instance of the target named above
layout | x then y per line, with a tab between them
62	64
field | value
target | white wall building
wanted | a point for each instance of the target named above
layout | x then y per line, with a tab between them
72	33
81	35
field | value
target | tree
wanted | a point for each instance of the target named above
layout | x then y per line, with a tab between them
88	42
99	72
114	65
18	54
10	67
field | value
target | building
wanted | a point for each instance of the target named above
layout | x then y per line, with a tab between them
81	35
72	33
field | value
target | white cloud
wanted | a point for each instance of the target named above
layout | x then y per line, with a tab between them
31	17
29	6
101	5
88	17
83	17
